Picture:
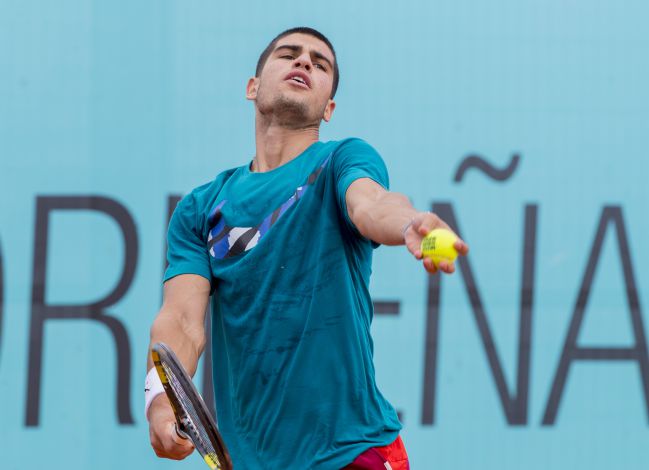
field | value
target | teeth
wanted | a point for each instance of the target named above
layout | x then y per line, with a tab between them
299	79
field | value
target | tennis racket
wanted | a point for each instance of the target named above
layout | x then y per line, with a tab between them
194	421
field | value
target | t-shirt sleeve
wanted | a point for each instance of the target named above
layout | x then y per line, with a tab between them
187	251
356	159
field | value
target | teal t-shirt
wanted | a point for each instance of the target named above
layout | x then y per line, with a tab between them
291	310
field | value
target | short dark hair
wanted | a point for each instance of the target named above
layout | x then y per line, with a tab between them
300	30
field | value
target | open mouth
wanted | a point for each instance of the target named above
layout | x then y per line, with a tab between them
299	78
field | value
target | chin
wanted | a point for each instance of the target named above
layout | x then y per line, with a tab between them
291	104
290	108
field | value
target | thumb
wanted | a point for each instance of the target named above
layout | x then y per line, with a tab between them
178	436
421	225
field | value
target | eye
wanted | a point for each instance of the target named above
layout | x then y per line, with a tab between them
287	56
320	66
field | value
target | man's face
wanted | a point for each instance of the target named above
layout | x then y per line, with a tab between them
296	81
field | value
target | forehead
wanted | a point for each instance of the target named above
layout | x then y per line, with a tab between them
310	43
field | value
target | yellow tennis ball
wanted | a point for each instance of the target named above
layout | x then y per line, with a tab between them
438	246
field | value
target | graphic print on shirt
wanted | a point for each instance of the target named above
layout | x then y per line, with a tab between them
225	241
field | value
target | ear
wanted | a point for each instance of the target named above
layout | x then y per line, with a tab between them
251	88
329	110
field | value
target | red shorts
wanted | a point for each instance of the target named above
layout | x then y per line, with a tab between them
390	457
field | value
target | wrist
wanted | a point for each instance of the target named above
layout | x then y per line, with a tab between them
152	388
405	229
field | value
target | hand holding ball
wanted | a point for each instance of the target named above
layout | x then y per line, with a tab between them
438	246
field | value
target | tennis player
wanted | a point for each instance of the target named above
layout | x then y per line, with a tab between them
285	244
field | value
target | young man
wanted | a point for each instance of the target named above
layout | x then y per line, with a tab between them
285	245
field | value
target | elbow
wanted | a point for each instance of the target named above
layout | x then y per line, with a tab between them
157	331
361	217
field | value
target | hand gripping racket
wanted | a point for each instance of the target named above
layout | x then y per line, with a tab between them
194	421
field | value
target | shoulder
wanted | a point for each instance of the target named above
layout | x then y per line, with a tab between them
205	193
353	153
193	209
351	145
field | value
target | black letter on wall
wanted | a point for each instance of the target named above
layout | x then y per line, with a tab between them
1	297
207	388
41	312
515	405
572	352
172	202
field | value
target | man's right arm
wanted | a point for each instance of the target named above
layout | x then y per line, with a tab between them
181	325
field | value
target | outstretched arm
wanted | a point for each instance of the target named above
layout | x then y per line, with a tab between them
181	325
389	218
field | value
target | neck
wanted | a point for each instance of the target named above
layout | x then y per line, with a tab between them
276	145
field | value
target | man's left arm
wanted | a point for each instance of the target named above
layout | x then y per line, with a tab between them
388	218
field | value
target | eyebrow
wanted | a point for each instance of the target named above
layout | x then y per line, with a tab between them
316	54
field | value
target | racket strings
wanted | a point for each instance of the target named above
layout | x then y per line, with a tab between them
192	422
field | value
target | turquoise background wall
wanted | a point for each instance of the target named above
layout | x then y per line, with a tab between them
532	356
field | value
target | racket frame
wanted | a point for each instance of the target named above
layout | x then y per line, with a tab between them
161	353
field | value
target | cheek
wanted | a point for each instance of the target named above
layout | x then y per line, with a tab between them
271	72
324	85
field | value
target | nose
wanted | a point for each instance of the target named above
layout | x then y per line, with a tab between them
304	61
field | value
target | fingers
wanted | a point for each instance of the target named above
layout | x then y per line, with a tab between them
426	222
182	446
446	267
422	224
461	247
178	436
166	441
413	244
412	239
174	451
168	444
429	266
443	266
